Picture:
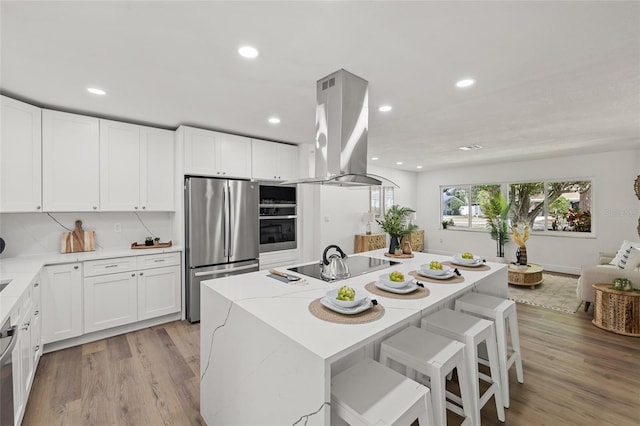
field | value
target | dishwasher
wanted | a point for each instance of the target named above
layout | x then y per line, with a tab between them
8	339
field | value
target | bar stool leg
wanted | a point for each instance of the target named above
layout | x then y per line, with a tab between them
515	344
502	359
495	375
465	389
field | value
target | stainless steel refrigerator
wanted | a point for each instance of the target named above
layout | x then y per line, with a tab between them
222	233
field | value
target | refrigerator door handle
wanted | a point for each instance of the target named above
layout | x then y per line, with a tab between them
231	229
224	271
225	219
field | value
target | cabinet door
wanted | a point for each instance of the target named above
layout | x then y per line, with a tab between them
20	157
119	166
16	370
287	162
264	159
200	152
234	155
110	301
156	170
158	292
70	162
26	360
61	302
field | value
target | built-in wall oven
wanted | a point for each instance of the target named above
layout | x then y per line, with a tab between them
278	217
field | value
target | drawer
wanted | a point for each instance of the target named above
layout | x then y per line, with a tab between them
158	260
109	266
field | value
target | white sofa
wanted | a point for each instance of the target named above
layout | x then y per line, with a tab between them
603	273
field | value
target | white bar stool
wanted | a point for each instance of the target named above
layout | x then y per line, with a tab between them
369	393
433	356
500	311
472	331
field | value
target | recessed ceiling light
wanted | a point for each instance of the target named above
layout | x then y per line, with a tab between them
248	51
418	167
399	163
385	108
96	91
465	82
274	120
470	147
374	158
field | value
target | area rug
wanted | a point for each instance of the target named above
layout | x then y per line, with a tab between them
557	292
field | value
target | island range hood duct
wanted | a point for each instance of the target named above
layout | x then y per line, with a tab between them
342	124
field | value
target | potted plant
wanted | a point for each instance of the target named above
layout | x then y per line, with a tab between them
520	238
396	224
148	241
444	224
496	210
156	241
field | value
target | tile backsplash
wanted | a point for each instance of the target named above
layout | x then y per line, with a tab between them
38	233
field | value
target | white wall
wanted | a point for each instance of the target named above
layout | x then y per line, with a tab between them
333	215
28	234
615	208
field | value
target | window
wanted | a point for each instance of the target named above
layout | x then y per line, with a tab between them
563	206
380	200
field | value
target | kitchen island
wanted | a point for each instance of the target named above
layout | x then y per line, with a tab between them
266	360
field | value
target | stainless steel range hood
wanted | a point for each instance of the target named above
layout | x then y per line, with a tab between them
342	124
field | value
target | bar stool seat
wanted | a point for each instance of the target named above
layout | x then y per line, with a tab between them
368	393
472	331
433	356
500	311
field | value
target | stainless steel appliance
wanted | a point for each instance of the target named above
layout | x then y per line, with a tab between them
278	217
221	221
357	265
8	339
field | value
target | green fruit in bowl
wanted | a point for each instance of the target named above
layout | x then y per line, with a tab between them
434	264
396	276
346	293
467	255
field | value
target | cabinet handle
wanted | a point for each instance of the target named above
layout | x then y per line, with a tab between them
218	173
25	326
36	313
76	267
36	284
144	207
38	207
135	207
140	273
111	266
37	348
159	260
224	173
95	207
133	275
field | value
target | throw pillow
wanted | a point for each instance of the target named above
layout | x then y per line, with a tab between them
630	259
625	245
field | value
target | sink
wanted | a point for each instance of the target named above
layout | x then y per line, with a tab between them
4	283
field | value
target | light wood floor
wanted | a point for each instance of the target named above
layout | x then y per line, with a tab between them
574	374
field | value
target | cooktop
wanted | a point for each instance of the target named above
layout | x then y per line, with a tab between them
357	265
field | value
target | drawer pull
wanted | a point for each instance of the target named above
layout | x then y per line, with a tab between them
159	260
141	273
110	266
36	284
76	267
36	313
37	348
133	275
25	326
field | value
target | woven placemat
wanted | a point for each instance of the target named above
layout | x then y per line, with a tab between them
466	268
417	294
452	280
319	311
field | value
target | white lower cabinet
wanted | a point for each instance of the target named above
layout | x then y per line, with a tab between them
109	301
129	289
27	351
158	292
61	302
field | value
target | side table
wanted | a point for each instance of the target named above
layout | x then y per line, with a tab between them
616	311
530	276
366	242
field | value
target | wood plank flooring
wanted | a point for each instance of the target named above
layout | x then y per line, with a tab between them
574	374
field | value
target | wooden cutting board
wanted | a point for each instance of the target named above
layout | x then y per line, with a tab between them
78	240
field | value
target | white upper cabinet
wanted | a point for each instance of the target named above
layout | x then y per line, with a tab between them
273	161
71	164
20	157
136	168
209	153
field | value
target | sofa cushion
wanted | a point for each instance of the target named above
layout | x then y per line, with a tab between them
624	254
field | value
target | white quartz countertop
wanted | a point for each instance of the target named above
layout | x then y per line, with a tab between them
23	269
285	307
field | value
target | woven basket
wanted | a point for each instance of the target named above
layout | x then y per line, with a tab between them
617	311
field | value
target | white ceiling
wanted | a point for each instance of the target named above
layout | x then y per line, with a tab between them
553	78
